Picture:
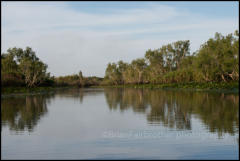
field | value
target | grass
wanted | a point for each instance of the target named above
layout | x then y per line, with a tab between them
211	86
26	90
230	86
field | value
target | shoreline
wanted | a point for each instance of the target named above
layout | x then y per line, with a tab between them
13	91
215	87
232	87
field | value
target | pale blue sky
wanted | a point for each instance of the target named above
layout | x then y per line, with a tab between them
73	36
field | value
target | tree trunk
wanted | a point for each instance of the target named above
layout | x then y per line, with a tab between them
231	75
223	78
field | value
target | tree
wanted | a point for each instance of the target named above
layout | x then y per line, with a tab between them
25	63
180	51
155	62
10	74
217	59
81	79
122	67
235	73
139	65
34	71
112	73
129	74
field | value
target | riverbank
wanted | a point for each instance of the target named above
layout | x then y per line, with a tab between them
25	90
232	86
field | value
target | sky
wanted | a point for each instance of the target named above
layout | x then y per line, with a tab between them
73	36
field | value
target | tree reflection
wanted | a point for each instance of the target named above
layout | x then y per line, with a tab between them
23	113
174	109
77	93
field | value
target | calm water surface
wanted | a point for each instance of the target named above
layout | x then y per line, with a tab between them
120	124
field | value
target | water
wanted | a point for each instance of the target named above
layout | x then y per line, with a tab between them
116	123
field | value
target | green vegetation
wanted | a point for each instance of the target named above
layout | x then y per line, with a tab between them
22	67
19	90
77	80
214	66
230	86
21	70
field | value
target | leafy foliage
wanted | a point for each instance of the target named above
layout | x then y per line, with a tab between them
217	60
22	67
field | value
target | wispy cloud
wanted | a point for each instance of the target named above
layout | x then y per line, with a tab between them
71	40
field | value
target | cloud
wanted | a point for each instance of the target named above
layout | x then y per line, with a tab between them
32	17
71	40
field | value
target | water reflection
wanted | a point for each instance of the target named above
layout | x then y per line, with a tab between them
174	109
23	113
78	93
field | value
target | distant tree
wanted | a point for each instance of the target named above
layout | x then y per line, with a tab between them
139	65
81	79
34	70
216	60
122	67
24	63
112	73
180	51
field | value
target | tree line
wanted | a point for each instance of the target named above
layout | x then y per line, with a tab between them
23	68
217	60
77	80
